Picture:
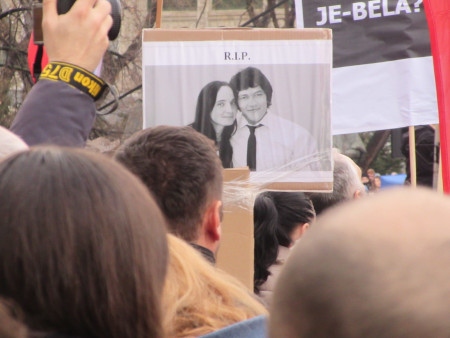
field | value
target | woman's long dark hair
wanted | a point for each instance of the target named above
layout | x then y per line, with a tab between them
225	149
203	124
205	104
276	215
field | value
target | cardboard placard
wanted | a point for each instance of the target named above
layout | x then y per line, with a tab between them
292	123
236	252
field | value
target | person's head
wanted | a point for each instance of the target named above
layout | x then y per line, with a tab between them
280	218
199	298
10	143
370	269
82	245
371	174
181	168
347	184
254	93
377	182
216	105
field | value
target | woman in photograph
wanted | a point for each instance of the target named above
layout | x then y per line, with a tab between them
215	117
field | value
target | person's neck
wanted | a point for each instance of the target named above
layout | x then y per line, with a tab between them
205	252
218	129
254	124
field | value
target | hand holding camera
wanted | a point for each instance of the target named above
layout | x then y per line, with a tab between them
80	36
63	6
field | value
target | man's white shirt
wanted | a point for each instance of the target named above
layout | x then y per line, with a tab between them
279	143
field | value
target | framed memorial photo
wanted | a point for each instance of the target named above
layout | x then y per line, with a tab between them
261	95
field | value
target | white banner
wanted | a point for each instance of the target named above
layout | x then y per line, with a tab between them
382	67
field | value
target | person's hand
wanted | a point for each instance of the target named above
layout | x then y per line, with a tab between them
80	36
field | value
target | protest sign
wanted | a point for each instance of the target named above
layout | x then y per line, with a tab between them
291	68
382	66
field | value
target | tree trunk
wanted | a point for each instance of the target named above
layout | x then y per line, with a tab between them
374	146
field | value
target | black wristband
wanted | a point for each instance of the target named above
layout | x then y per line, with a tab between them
76	77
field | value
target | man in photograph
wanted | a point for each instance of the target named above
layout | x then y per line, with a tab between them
264	140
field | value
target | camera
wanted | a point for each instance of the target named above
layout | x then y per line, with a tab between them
63	6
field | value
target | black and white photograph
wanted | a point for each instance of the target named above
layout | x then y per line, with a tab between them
272	118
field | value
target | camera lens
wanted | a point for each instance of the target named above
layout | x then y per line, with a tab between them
63	6
116	12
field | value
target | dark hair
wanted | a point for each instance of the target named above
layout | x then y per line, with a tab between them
276	215
205	104
181	168
251	77
83	247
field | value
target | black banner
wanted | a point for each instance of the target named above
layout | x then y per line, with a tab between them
371	31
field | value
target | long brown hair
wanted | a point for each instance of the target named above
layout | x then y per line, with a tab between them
82	245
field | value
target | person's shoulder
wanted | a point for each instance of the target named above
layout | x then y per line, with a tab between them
273	117
255	327
275	269
288	126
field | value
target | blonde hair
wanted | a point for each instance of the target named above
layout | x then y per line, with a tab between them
199	298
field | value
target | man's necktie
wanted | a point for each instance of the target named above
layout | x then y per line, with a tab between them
251	148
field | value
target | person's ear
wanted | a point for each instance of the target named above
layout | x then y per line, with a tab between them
213	220
305	227
357	194
298	232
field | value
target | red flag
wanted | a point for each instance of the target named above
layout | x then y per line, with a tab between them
37	58
438	17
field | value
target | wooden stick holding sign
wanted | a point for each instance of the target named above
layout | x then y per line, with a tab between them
437	168
412	156
159	8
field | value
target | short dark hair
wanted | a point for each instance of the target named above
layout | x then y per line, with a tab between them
276	215
181	168
251	77
83	247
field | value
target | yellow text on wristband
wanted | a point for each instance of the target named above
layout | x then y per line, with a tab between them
76	77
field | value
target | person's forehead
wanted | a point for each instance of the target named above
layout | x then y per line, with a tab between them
358	169
251	90
224	91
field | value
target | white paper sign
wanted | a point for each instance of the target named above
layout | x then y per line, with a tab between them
293	122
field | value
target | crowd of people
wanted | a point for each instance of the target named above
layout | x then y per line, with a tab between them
92	246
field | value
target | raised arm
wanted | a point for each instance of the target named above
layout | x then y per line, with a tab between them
60	107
